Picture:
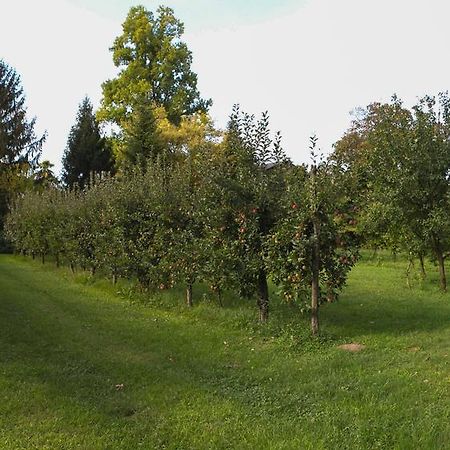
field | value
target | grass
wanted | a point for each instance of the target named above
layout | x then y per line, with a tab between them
212	378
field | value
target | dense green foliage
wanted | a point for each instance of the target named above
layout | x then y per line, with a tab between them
155	82
20	148
155	64
18	141
188	207
44	176
87	153
245	186
207	216
397	163
315	245
206	378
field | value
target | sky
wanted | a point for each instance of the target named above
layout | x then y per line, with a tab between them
308	62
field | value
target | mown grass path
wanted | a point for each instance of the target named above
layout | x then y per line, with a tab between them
208	378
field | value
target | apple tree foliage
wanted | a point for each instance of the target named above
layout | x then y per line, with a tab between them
312	249
405	158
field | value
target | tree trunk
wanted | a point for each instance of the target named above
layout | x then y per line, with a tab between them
114	279
57	260
43	258
219	297
394	255
441	263
72	268
189	302
408	271
92	271
263	300
315	289
423	274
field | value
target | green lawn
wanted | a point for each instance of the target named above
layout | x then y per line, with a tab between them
210	377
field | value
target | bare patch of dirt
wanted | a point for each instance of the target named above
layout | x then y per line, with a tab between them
353	347
413	349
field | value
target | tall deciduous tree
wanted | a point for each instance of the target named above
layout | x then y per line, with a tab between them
154	64
86	152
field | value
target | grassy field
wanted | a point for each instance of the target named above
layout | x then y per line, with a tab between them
84	365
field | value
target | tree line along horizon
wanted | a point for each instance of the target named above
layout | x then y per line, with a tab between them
165	198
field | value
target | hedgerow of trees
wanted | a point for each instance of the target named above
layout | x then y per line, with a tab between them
218	213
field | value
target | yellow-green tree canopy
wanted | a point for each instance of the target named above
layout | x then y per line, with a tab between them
155	65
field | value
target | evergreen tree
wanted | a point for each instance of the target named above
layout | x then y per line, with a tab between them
86	152
142	139
20	148
44	176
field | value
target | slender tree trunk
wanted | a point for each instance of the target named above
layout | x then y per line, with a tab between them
43	258
408	271
423	274
219	297
189	301
441	263
33	255
315	289
114	278
394	255
57	260
72	268
93	268
263	299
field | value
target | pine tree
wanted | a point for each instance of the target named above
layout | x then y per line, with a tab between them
86	152
20	148
18	141
142	139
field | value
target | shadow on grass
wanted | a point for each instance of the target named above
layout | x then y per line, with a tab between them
80	345
83	347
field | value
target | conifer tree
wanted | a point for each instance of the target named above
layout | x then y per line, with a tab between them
86	152
20	148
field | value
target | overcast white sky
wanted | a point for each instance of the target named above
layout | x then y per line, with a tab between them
308	62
